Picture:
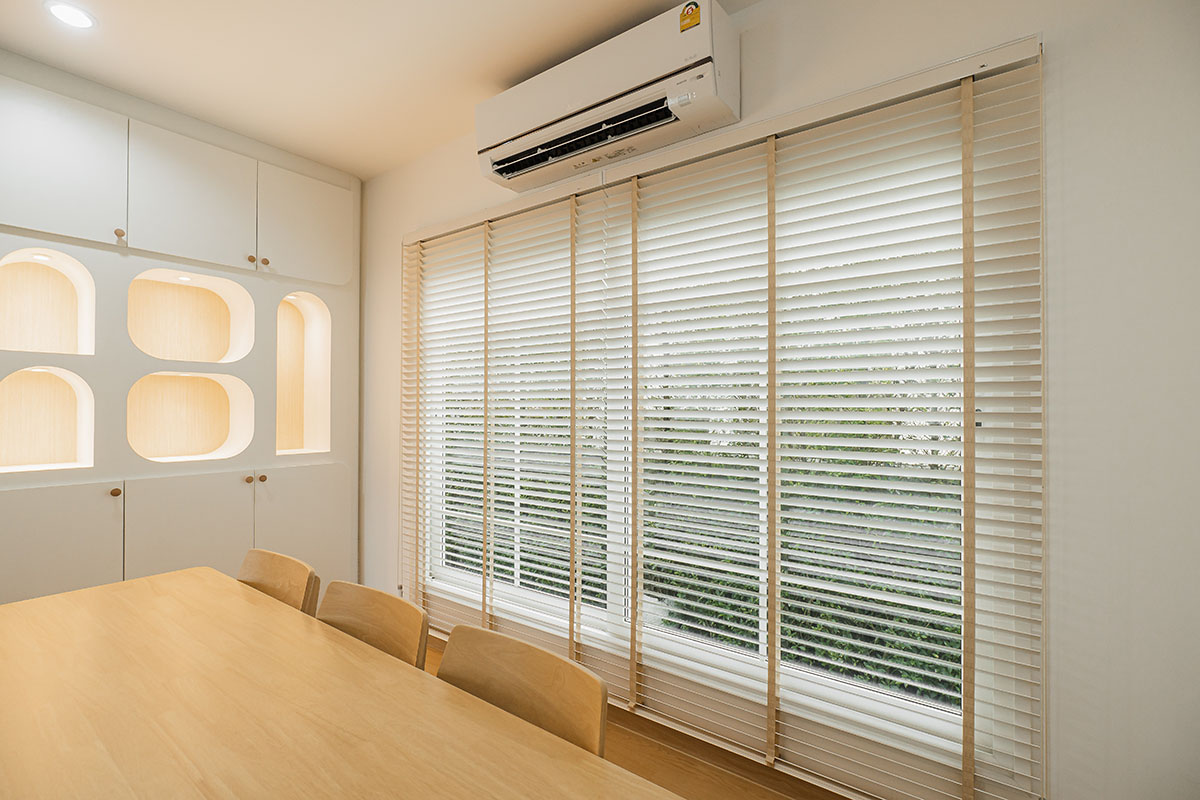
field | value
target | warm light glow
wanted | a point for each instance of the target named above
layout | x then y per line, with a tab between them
70	15
40	257
184	278
290	297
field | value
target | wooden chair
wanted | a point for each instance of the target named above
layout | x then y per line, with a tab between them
389	623
287	579
550	691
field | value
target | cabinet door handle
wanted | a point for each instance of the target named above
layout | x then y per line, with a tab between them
262	478
250	259
119	233
115	492
266	262
249	479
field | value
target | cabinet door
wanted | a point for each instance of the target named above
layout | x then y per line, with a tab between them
190	199
188	521
305	226
62	164
309	513
58	539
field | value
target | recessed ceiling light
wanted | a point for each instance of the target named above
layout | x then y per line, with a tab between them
70	15
290	297
184	278
40	257
38	369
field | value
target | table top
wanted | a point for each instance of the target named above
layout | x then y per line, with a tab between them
190	684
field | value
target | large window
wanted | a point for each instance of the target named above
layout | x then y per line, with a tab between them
758	439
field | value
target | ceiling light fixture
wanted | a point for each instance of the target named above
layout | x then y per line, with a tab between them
70	15
184	278
40	257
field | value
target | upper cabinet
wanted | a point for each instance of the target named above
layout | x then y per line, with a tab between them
63	164
305	226
191	199
70	168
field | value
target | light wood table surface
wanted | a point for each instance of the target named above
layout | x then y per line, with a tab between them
189	684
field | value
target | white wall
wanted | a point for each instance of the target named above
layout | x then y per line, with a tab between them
1123	174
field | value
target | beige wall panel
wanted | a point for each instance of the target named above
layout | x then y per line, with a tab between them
289	385
38	422
178	322
39	310
177	415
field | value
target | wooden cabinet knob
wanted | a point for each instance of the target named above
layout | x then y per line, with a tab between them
250	259
119	233
249	479
262	478
115	492
265	261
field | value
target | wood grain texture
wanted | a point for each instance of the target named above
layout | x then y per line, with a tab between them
690	767
39	310
176	415
38	420
536	685
382	620
178	322
289	378
189	684
289	580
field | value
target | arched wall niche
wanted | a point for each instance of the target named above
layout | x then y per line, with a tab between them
47	303
187	316
47	420
302	389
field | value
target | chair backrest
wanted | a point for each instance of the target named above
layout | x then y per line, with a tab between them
550	691
287	579
382	620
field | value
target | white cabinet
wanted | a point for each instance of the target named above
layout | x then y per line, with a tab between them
305	226
191	199
188	521
59	538
63	164
309	512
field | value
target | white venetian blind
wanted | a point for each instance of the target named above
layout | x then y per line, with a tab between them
702	433
758	439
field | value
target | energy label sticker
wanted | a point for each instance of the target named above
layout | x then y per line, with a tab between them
689	17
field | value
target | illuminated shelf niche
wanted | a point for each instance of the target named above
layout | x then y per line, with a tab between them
302	398
46	420
185	316
47	303
181	416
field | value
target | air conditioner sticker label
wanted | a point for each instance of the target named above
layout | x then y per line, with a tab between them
689	17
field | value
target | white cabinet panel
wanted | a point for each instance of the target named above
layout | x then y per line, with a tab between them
305	226
188	521
63	164
58	539
190	199
309	513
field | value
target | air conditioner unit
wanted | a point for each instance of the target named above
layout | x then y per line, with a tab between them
670	78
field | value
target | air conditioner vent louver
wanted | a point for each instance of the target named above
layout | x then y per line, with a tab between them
643	118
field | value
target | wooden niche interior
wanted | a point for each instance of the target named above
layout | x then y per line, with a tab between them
184	316
302	396
177	416
46	418
47	303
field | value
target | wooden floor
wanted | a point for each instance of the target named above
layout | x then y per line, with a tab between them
692	769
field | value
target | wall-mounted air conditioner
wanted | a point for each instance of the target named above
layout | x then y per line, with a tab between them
670	78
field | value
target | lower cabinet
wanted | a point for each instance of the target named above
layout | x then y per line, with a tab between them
59	538
188	521
309	513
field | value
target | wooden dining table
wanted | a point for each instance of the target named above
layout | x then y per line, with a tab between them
190	684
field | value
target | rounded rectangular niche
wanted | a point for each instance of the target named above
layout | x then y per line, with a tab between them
302	412
185	316
47	303
46	420
179	416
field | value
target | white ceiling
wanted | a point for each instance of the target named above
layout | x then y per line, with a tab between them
362	85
